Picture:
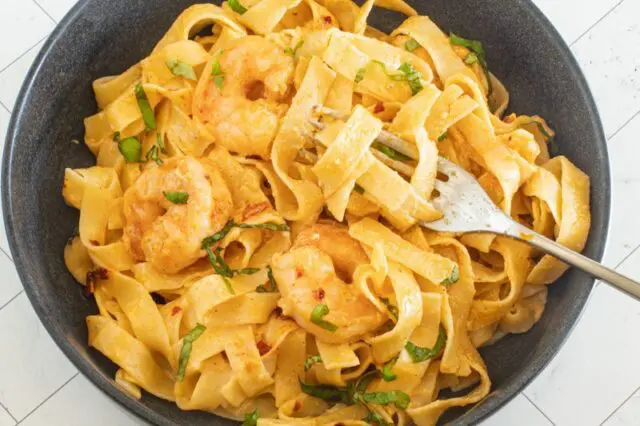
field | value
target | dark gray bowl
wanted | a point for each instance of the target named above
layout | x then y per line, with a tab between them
103	37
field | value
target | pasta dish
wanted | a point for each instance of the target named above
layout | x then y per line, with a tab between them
255	252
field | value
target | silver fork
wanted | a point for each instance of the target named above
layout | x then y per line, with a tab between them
467	208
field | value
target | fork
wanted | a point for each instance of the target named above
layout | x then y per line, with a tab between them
467	208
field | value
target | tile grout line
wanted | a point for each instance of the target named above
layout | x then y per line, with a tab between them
5	107
615	410
631	253
23	53
8	412
49	397
11	300
596	23
45	12
625	124
538	408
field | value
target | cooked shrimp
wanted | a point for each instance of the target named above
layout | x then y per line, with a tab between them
243	105
166	234
318	270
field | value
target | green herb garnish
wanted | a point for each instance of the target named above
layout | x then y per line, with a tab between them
131	149
319	312
145	108
477	48
359	75
411	45
310	361
216	70
181	69
443	137
223	269
419	354
236	6
393	310
251	419
209	241
154	155
187	345
471	58
327	393
176	197
390	152
398	398
412	76
292	52
374	418
358	189
273	286
116	137
453	278
387	374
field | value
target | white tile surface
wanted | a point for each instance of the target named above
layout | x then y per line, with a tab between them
628	414
569	23
10	284
22	25
56	8
31	365
5	418
624	228
14	75
610	57
80	403
4	124
597	368
519	412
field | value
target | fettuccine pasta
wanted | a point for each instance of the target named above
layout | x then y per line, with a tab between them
248	264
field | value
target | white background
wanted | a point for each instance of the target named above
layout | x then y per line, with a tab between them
595	379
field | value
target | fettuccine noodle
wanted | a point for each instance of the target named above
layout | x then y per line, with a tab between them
248	265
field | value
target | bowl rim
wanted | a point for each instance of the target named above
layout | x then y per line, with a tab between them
474	416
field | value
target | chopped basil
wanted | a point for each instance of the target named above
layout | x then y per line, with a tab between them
310	361
471	58
390	152
223	269
154	155
116	137
236	6
145	108
273	286
131	149
412	76
359	75
398	398
387	373
181	69
160	142
374	418
292	52
358	189
411	45
209	241
176	197
327	393
251	419
453	278
395	77
216	71
477	48
442	137
419	354
187	345
319	312
393	310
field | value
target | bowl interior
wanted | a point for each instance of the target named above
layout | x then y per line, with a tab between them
104	37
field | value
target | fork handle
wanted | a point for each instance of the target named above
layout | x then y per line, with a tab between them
591	267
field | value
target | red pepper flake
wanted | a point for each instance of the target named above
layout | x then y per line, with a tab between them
93	276
175	311
318	294
278	311
378	108
254	209
94	243
297	406
299	272
263	348
327	19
